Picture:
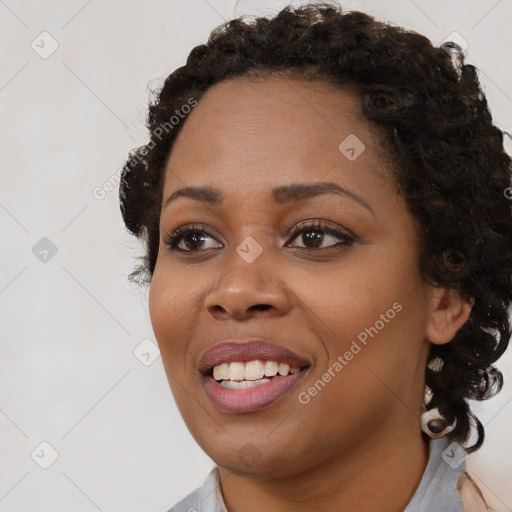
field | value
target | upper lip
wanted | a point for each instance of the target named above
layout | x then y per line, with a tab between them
244	350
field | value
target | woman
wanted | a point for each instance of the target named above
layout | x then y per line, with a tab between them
323	203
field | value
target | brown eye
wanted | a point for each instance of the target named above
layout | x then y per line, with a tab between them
189	239
315	234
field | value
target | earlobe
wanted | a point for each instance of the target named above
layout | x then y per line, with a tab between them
448	313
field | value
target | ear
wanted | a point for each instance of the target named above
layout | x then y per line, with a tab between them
448	313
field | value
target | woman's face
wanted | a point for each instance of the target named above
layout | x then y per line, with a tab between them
344	299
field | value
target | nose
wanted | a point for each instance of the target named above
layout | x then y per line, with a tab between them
244	290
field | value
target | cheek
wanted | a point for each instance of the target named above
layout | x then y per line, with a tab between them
352	297
171	313
170	310
368	360
369	318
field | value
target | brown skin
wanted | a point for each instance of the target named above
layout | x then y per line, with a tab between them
357	445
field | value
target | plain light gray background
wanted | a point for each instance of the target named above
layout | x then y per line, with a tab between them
72	371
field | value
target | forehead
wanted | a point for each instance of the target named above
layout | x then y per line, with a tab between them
252	134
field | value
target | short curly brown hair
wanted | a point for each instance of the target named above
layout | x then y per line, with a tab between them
450	165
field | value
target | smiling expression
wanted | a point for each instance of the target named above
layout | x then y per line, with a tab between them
286	240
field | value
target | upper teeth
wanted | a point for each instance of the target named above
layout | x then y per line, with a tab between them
251	370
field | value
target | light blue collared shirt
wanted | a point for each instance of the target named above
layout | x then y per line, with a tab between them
436	492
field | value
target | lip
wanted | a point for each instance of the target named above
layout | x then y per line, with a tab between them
257	397
230	351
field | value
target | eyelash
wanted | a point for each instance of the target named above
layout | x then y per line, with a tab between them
172	240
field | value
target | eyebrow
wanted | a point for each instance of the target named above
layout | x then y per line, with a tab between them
280	195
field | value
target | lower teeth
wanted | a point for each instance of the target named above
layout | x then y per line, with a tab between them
242	384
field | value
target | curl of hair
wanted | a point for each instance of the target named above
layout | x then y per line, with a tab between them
448	162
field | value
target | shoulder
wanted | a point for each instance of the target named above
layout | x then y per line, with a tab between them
188	504
207	498
471	495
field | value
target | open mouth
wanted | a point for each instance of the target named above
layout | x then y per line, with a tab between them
240	375
239	387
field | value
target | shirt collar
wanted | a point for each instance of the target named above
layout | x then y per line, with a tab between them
436	491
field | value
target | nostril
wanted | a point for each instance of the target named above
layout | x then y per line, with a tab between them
260	307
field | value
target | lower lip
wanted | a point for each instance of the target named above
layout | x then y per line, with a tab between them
251	399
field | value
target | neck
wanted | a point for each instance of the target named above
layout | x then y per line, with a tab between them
381	475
